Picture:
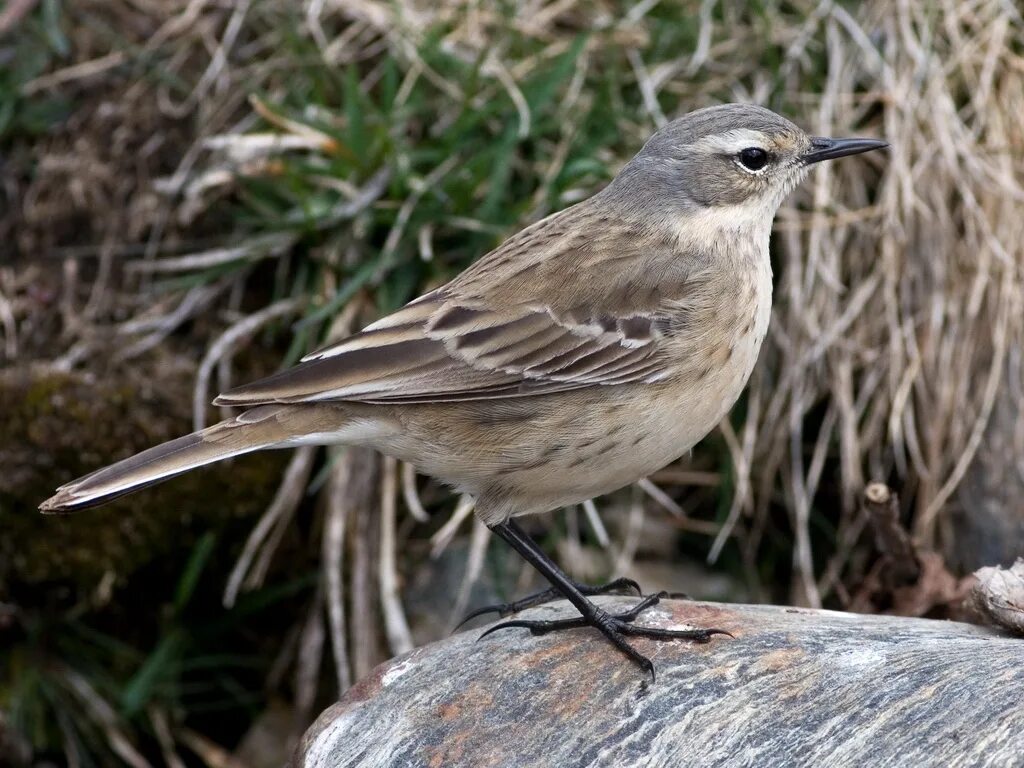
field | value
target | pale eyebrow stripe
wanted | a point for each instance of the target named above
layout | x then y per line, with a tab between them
733	141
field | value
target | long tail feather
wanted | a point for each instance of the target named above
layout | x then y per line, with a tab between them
221	441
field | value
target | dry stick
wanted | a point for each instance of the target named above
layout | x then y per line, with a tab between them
662	498
409	205
99	290
344	49
13	12
313	11
290	495
244	151
395	624
210	752
820	452
10	327
596	524
308	659
848	536
351	494
924	524
158	315
851	522
70	317
254	249
194	302
69	739
301	130
162	729
554	165
572	547
424	239
333	563
74	72
218	61
634	526
364	638
412	494
176	25
803	563
224	346
883	512
440	540
742	459
100	712
494	67
700	51
284	503
849	444
647	92
474	567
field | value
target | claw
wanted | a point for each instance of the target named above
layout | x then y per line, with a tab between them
539	598
616	627
535	627
473	614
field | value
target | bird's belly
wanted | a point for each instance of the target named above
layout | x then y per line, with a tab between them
533	454
540	453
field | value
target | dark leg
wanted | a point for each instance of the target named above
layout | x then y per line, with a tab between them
547	595
616	627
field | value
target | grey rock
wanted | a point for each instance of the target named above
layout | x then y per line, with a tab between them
794	687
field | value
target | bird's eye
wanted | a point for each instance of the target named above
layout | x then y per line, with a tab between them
753	158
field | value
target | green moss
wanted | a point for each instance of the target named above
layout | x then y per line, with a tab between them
54	428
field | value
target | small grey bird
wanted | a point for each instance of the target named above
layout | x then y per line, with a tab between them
584	353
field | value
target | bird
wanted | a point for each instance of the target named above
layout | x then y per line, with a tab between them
588	350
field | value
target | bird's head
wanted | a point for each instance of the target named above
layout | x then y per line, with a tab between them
733	159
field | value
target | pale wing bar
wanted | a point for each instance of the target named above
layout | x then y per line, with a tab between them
436	351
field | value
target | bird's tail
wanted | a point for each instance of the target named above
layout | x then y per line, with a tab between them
255	429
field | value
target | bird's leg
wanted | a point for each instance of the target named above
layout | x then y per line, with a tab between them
615	627
547	595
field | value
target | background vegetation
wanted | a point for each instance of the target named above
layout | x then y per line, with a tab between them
195	193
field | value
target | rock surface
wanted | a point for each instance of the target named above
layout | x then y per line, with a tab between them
794	687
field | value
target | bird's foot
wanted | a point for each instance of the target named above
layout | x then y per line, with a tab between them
616	627
547	595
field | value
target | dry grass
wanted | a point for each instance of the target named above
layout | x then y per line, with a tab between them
898	319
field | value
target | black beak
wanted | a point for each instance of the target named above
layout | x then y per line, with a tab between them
829	149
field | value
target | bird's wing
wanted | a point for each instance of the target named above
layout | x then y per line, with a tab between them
572	301
438	349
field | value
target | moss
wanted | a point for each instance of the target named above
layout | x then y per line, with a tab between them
56	427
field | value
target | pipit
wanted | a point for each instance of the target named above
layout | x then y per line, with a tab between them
579	356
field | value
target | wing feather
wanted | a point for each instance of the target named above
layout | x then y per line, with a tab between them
467	353
499	332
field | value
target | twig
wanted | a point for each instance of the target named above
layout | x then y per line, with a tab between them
264	247
395	623
74	72
440	540
596	525
281	508
663	499
891	540
412	494
224	346
478	541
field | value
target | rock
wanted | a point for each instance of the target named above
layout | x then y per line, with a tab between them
794	687
999	596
